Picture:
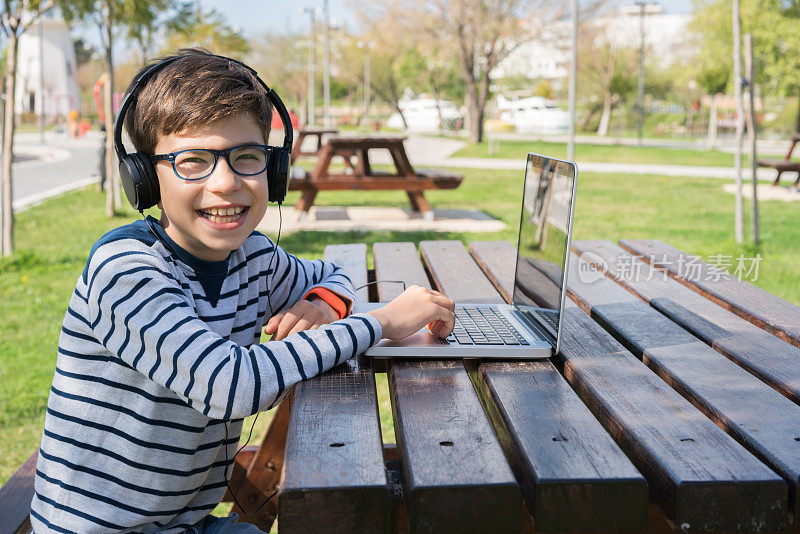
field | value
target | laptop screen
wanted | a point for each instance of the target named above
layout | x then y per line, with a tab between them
544	232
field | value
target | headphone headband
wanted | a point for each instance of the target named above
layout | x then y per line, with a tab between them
137	173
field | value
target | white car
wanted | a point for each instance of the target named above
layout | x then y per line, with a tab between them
427	114
533	115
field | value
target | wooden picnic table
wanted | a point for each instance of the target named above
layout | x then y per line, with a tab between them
313	133
672	406
359	174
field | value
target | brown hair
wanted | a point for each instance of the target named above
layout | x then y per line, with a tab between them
194	90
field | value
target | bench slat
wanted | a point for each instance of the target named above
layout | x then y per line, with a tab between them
333	444
757	416
699	476
573	475
15	498
454	473
771	359
754	304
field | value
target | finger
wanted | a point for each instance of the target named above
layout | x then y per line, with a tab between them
273	322
443	301
447	321
286	325
301	325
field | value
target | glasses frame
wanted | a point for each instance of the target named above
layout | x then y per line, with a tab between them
172	157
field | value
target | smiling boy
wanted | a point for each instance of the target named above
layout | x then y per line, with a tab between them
159	357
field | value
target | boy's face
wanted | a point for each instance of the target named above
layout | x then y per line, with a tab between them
185	204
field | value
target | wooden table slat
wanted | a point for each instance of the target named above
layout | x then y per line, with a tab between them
334	445
455	476
15	498
398	261
756	305
759	417
456	274
573	475
700	477
771	359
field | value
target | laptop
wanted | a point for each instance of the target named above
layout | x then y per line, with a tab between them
530	327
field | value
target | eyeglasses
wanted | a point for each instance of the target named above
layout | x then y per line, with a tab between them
198	163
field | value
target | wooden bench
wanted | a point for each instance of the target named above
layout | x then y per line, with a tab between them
360	176
784	165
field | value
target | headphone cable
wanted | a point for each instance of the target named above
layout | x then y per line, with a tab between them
250	434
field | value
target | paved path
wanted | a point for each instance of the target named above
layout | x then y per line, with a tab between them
59	166
435	152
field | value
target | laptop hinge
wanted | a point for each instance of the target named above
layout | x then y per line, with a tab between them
542	332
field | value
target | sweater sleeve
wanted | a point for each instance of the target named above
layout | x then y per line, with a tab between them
139	313
293	277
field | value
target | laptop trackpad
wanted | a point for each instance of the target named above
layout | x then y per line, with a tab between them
421	338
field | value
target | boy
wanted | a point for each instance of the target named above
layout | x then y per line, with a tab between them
158	359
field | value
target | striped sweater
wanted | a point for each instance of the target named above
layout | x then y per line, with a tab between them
158	363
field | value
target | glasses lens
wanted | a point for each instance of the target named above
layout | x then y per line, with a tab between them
249	159
194	164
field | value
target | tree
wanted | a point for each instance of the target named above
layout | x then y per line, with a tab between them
208	30
484	32
387	29
606	68
15	18
282	64
776	43
115	19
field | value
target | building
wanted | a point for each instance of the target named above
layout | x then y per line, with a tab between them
48	40
547	55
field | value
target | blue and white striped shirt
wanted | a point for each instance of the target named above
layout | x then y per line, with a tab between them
158	363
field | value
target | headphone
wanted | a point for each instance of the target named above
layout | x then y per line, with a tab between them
138	174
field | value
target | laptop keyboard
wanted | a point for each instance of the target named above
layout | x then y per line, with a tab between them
478	325
549	318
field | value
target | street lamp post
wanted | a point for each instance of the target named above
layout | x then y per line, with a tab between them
640	101
312	61
326	67
366	46
573	62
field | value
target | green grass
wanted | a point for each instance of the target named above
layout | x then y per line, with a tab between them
54	239
513	149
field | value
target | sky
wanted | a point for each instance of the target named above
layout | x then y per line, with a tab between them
255	17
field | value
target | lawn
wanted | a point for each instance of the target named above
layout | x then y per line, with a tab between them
53	240
514	149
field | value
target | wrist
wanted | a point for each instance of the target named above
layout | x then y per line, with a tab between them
322	304
382	320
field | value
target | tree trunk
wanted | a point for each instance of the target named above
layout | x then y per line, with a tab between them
712	123
8	145
474	112
108	109
605	118
797	125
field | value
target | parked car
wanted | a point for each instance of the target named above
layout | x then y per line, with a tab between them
426	113
533	114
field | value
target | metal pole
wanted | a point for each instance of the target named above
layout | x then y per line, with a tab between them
41	78
737	84
573	62
312	60
751	130
366	83
326	67
640	100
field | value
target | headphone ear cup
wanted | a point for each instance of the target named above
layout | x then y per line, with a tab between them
139	180
278	171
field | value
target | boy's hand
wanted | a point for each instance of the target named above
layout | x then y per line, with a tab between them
413	309
304	315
